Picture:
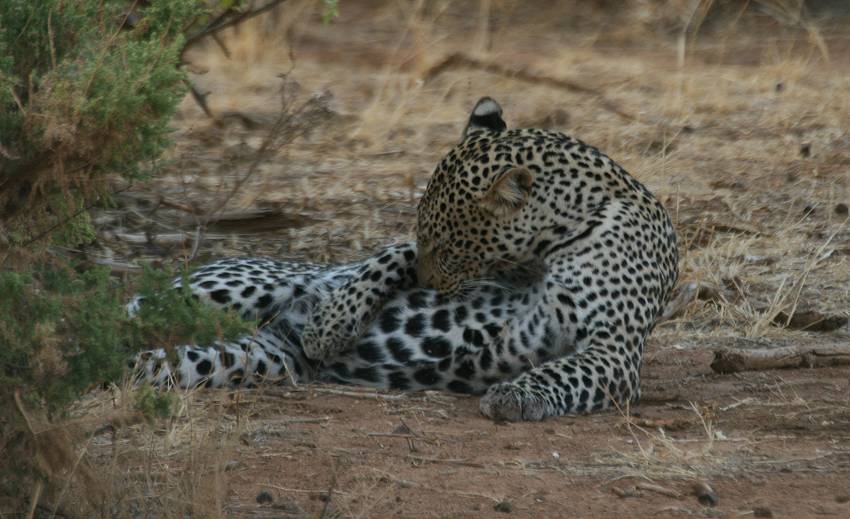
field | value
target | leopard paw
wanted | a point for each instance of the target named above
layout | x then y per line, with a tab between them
507	402
328	334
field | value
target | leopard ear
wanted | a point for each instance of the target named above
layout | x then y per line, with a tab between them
486	115
509	193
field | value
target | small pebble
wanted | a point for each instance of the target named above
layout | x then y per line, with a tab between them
402	429
806	149
264	497
705	494
762	511
504	506
842	209
626	492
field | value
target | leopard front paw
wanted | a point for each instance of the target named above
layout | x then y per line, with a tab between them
507	402
328	334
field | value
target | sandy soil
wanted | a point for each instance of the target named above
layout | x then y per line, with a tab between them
739	127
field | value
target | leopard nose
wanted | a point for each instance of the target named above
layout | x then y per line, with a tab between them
425	273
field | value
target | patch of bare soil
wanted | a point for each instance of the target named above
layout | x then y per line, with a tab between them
766	443
739	124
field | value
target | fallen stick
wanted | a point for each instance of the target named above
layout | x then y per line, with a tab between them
658	489
303	490
733	361
448	461
293	421
393	435
461	60
141	238
301	392
810	321
369	395
117	266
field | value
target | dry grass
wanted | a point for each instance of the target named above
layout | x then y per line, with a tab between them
165	469
657	456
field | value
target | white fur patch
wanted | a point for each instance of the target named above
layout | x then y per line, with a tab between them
486	107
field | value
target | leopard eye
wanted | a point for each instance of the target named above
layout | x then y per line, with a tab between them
443	258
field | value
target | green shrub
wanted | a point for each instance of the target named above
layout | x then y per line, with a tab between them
154	404
82	96
170	317
64	331
58	334
87	89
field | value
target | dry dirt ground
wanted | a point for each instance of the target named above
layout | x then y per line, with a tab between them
737	121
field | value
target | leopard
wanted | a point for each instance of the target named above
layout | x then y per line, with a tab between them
538	271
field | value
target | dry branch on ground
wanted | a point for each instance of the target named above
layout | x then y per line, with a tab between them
733	361
461	60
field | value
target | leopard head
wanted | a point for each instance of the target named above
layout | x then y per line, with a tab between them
471	217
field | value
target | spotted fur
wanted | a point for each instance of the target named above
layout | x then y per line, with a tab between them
540	269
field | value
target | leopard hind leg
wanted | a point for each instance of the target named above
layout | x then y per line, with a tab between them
279	295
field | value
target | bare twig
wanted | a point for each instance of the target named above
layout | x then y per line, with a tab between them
162	239
200	98
229	18
118	266
369	395
179	206
448	461
298	392
36	496
64	221
217	39
290	124
460	60
664	491
196	242
301	490
391	435
330	493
